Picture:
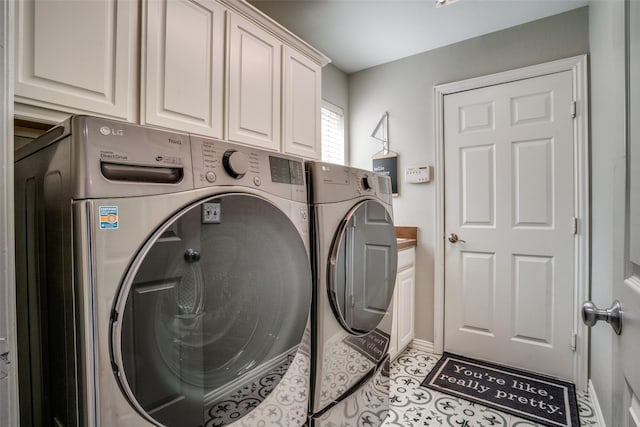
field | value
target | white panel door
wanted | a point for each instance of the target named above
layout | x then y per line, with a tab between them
78	56
183	65
509	283
626	382
254	84
302	96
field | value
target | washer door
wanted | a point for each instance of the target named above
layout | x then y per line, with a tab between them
212	312
362	267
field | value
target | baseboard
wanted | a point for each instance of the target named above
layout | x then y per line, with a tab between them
597	411
422	345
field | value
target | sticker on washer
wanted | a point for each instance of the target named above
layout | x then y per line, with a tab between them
108	217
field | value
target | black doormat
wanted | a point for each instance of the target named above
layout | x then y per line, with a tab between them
544	400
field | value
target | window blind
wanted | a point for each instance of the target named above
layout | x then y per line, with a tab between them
332	134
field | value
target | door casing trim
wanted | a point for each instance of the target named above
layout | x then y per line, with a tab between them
578	67
9	409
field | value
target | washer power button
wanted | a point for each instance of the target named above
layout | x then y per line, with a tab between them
210	176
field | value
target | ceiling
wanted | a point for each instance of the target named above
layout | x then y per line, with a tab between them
358	34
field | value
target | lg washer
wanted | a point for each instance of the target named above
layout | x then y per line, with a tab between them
163	279
354	256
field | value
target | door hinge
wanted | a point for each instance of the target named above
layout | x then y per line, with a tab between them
574	109
574	225
574	341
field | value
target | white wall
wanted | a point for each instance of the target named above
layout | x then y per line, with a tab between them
404	88
335	87
606	42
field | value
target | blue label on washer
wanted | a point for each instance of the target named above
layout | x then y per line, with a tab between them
108	217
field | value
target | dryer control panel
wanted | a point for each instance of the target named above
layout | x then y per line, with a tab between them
335	183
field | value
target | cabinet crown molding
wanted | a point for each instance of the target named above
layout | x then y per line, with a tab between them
250	12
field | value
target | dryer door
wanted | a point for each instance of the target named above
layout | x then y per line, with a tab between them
212	312
362	267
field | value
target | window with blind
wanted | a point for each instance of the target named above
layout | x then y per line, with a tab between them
332	134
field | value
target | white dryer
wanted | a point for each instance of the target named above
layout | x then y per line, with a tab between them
163	279
354	257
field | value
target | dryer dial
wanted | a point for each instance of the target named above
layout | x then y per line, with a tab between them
366	185
235	163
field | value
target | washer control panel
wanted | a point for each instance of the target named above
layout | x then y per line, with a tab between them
218	163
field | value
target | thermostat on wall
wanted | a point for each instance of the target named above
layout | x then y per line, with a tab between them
417	174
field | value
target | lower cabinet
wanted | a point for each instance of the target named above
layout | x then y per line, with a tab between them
402	331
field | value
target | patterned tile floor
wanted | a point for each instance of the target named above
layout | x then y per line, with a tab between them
412	405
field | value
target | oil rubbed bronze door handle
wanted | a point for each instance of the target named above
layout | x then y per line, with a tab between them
453	238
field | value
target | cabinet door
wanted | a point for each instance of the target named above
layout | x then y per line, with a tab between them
183	65
302	100
78	56
406	302
254	85
393	341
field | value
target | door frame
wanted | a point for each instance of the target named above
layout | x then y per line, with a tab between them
578	67
623	406
7	246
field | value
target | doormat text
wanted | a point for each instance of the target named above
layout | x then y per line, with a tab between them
545	400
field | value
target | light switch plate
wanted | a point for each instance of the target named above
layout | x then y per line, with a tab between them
417	174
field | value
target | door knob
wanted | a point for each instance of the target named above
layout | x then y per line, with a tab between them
191	256
612	315
453	238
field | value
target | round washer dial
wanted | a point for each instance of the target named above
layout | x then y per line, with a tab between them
235	163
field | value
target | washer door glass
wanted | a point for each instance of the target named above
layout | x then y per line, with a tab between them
362	268
212	312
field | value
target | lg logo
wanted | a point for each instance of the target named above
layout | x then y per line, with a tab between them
106	130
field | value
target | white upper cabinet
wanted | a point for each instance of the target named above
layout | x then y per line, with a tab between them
218	68
182	65
254	84
78	56
302	99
